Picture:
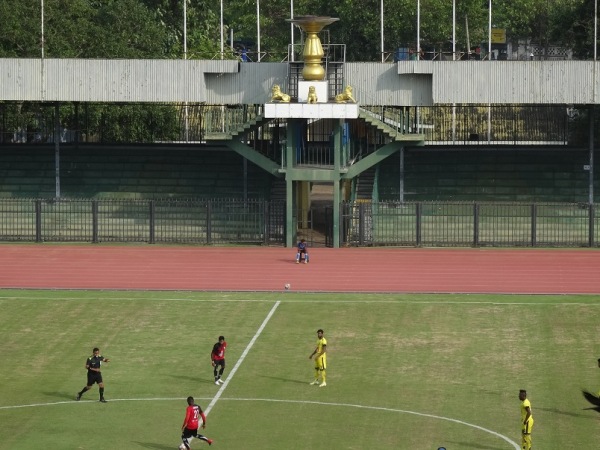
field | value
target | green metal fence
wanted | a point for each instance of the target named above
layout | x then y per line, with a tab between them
234	221
217	221
454	224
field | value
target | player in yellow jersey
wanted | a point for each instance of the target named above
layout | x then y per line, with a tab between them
320	355
526	420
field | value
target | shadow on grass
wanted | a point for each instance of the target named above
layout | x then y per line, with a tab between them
155	446
194	379
569	413
287	380
471	445
61	395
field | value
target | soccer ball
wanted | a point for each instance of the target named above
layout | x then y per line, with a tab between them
182	447
287	286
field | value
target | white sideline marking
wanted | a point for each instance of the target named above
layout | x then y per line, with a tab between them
305	402
241	360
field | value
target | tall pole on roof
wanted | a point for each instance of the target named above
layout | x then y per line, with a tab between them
490	30
186	110
222	42
292	29
258	27
382	48
453	30
185	29
42	37
418	29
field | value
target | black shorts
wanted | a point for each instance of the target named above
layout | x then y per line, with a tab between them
187	433
219	362
94	377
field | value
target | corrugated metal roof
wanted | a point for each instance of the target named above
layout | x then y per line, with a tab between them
406	83
509	82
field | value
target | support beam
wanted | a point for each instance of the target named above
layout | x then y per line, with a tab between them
252	155
369	161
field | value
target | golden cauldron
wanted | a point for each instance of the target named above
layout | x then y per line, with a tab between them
313	50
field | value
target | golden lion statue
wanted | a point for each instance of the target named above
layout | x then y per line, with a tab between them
345	96
312	95
278	96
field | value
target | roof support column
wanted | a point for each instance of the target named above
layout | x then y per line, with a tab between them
337	189
288	162
57	149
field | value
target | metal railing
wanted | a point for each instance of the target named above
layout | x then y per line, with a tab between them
216	221
180	123
452	224
234	221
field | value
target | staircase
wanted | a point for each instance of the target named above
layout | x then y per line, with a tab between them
394	130
364	185
278	193
239	129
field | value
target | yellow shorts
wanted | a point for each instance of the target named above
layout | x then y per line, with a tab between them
321	362
527	427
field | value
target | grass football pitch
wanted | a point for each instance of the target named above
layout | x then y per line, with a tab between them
411	372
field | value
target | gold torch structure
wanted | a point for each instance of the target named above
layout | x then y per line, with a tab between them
313	88
313	50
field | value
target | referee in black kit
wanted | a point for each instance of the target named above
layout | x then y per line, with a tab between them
94	374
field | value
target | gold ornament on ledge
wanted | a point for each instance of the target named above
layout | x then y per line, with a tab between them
345	96
313	50
278	96
312	95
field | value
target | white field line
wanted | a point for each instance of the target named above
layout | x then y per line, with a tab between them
304	402
241	359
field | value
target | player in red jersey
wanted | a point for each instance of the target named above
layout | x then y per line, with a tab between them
189	429
217	357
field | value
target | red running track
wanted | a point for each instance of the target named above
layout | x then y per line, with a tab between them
330	270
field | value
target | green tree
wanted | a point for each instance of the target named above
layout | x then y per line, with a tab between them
573	26
21	29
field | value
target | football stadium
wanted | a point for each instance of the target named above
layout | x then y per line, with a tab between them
336	226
